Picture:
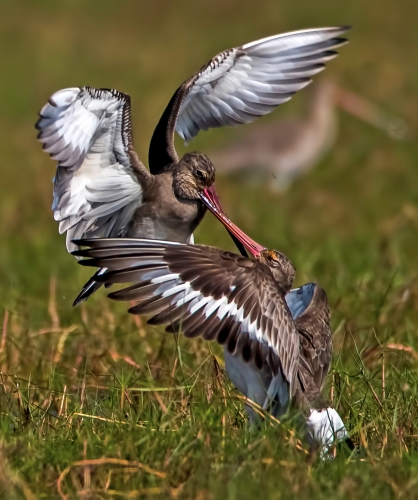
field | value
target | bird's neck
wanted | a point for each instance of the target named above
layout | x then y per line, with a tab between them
182	188
161	149
322	105
283	280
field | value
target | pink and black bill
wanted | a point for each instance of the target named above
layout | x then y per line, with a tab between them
243	242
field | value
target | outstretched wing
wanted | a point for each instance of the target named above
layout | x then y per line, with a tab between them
309	307
204	292
241	84
99	178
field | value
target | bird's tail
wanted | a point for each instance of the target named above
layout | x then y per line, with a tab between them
325	428
89	288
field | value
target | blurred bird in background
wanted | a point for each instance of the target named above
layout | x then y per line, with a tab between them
279	151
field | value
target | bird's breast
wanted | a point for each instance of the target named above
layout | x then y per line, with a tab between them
170	219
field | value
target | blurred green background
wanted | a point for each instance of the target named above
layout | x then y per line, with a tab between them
350	224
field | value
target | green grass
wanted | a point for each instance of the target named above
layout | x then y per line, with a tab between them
95	404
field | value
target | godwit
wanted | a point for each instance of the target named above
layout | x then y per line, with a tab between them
102	189
277	341
308	306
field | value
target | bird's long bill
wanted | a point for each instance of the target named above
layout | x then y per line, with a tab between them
211	200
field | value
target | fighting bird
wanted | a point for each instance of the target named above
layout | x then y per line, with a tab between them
277	341
308	306
102	189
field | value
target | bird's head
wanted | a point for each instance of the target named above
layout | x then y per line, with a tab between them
281	267
192	175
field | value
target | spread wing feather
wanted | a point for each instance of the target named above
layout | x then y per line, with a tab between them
99	179
204	292
240	84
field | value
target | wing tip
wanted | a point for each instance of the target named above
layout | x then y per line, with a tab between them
79	299
115	296
87	242
346	27
330	30
79	241
86	262
339	42
79	253
135	310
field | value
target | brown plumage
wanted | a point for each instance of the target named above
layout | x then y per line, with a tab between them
269	332
277	341
247	306
315	337
171	207
206	292
309	309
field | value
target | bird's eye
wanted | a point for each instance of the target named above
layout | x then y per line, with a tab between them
200	175
274	261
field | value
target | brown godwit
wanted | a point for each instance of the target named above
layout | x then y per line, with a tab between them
277	341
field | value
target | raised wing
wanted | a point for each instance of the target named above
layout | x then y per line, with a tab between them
241	84
99	179
204	292
309	307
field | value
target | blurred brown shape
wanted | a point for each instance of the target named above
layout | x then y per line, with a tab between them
286	148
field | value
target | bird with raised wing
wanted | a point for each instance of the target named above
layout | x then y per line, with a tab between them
277	341
102	189
309	309
204	291
308	306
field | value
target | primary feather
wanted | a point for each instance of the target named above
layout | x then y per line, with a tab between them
96	185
